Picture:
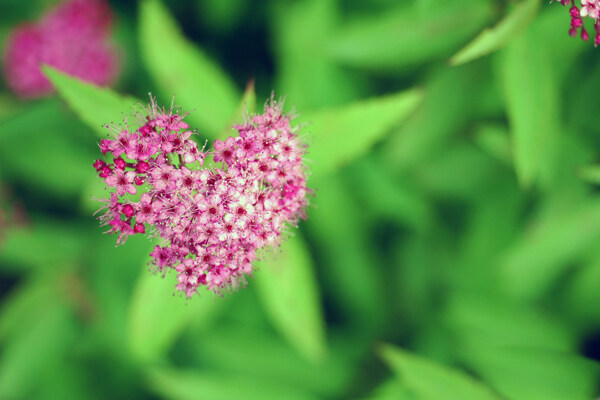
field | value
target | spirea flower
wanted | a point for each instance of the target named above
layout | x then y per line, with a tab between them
71	37
590	9
213	220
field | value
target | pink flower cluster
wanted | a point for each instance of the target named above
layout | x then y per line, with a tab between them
72	38
213	219
589	8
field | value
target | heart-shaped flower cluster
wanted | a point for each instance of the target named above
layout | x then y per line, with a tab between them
213	219
71	37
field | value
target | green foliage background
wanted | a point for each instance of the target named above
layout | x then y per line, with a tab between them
451	250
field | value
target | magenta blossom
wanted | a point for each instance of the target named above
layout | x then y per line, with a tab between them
589	9
212	220
72	38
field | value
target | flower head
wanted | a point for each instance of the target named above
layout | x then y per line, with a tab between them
212	220
589	9
71	37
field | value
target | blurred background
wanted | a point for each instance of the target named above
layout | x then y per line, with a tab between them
450	252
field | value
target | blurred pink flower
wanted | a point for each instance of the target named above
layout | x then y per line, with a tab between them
214	220
72	38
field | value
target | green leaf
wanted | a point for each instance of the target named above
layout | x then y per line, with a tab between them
45	333
246	106
533	108
390	198
43	244
497	37
61	130
495	139
290	296
421	139
482	319
343	134
175	384
157	315
582	294
393	389
305	73
590	173
96	106
337	228
184	71
434	381
529	373
407	36
256	350
534	262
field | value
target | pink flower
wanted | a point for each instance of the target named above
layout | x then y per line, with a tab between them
122	181
71	37
589	8
213	220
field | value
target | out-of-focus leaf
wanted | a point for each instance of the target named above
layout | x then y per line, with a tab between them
488	321
533	108
96	106
62	142
393	389
306	75
290	296
462	171
42	244
494	221
190	384
388	197
408	36
348	264
530	373
247	106
582	294
422	138
495	139
343	134
257	351
590	173
434	381
157	315
8	106
536	260
495	38
183	70
25	305
222	15
40	344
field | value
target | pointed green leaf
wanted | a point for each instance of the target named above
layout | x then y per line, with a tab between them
184	71
157	315
305	73
547	249
407	35
38	329
175	384
495	38
434	381
532	103
485	319
530	373
96	106
495	139
393	389
342	134
290	296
